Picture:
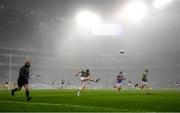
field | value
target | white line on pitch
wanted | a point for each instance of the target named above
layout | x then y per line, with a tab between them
49	104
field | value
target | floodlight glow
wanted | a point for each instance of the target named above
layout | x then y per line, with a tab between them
87	19
161	3
107	30
135	11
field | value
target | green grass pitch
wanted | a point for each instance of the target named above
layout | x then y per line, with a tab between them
91	101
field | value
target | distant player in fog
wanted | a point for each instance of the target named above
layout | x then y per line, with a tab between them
129	84
63	84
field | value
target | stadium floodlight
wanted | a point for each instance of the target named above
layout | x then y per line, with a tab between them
135	10
87	18
161	3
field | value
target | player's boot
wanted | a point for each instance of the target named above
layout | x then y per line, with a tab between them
135	85
28	99
78	94
97	80
12	92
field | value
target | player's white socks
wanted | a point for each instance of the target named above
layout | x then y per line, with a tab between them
78	93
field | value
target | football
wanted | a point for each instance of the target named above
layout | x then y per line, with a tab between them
122	51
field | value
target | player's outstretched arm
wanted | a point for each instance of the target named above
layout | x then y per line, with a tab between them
34	76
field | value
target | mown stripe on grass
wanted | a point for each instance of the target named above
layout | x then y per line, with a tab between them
53	104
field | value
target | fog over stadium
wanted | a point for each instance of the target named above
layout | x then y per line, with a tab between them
62	37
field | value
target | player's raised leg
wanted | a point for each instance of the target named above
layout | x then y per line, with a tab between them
14	90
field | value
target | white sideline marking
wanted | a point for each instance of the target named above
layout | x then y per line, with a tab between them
48	104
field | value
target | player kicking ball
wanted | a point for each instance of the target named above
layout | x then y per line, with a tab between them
144	80
119	80
85	76
23	80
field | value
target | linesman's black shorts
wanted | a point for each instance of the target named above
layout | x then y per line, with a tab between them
22	82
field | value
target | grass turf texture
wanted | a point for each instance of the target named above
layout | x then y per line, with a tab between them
92	101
